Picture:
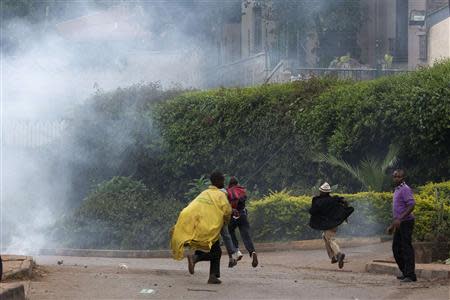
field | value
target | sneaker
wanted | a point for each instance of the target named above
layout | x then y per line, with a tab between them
254	260
232	263
191	263
239	255
334	260
401	277
214	280
340	257
408	279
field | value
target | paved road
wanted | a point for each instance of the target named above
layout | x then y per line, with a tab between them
281	275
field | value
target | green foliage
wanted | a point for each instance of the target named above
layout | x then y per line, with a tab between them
360	120
249	132
434	204
112	134
335	23
371	172
121	213
268	134
281	216
197	186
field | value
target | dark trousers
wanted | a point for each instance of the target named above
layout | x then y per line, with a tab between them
403	249
244	229
213	256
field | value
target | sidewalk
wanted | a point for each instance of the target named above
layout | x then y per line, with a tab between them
425	271
17	267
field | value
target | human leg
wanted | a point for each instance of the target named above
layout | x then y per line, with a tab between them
229	245
397	250
330	243
406	229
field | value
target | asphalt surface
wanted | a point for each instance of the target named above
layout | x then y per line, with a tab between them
280	275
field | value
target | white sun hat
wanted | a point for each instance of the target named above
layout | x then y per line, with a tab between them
325	188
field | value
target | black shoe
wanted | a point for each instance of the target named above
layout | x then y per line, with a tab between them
191	263
214	280
408	279
401	277
340	258
254	260
334	260
232	263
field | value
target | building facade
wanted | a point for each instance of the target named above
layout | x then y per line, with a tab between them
438	25
389	28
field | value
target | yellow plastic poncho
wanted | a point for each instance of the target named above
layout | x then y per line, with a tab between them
199	224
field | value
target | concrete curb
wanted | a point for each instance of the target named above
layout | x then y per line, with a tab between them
12	291
430	271
25	270
260	247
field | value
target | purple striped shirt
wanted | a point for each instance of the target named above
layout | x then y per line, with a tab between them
403	197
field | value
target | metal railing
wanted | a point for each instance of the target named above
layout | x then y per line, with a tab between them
353	74
31	134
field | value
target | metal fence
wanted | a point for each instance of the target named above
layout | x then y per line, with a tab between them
353	74
31	134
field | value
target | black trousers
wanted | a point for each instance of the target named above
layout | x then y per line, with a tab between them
403	250
213	256
244	229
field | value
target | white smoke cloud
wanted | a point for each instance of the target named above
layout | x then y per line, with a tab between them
48	74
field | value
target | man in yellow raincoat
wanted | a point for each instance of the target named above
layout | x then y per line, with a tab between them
199	225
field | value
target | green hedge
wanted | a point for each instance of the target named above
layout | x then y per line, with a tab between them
281	216
268	134
240	131
411	110
121	213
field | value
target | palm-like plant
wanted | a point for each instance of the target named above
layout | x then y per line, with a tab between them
196	187
371	172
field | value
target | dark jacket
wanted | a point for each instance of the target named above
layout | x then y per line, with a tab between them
328	212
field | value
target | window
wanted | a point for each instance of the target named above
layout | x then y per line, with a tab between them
401	41
257	29
423	53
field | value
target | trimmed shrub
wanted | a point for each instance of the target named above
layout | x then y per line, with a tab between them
409	110
249	132
373	212
122	214
268	134
281	216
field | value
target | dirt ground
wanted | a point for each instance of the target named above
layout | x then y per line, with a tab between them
280	275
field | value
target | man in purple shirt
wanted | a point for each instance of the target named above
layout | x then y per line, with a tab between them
402	227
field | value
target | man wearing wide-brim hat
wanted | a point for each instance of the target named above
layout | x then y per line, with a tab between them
327	213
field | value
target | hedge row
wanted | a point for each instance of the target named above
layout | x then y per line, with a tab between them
281	216
269	134
121	213
250	132
124	214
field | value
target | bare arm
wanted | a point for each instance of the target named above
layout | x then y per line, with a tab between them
396	223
